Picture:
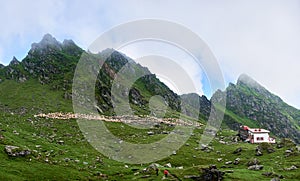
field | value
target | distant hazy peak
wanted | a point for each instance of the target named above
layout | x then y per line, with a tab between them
245	79
48	39
107	51
68	42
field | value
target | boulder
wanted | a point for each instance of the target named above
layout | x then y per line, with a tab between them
150	133
16	151
61	142
270	150
253	162
293	167
265	147
16	132
222	142
235	139
152	169
168	165
211	173
288	151
236	161
255	167
229	162
258	153
238	150
206	148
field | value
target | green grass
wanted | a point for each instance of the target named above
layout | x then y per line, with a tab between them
238	119
32	96
75	147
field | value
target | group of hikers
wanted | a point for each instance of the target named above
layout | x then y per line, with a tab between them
166	172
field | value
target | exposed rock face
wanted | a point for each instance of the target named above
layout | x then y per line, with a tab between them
194	101
15	151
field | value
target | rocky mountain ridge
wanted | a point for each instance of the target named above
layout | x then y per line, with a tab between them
53	63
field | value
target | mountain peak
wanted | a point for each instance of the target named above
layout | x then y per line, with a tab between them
245	79
68	42
14	61
107	51
48	41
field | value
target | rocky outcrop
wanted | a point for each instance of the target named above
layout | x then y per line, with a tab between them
15	151
253	162
212	173
256	167
14	61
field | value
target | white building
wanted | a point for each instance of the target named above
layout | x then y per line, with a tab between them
258	135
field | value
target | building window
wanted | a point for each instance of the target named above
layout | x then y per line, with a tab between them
259	138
